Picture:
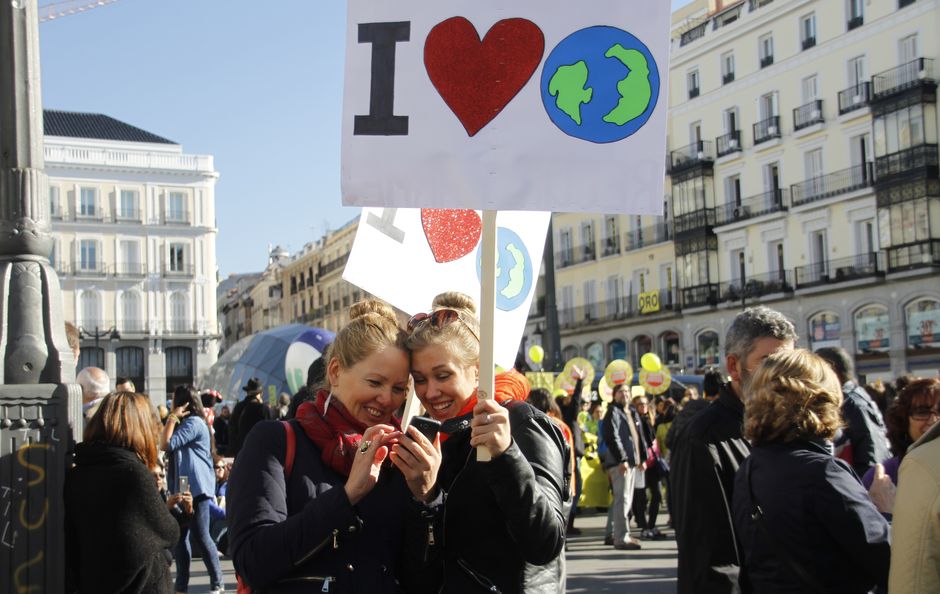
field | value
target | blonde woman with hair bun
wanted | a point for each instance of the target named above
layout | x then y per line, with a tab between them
339	518
503	519
805	522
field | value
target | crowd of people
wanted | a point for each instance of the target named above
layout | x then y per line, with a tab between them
786	475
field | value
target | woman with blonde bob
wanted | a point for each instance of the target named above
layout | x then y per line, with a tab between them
117	527
803	519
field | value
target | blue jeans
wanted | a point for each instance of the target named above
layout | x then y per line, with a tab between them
199	525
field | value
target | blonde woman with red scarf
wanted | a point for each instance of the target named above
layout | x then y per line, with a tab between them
503	519
340	517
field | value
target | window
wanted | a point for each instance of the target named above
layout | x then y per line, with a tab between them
856	72
906	222
733	190
904	128
693	269
130	364
810	88
642	344
669	343
176	208
855	13
130	312
566	247
766	50
813	164
707	348
808	31
693	83
566	313
907	49
594	352
824	330
616	349
88	202
179	312
91	310
179	367
872	330
129	208
767	106
177	259
772	177
55	209
819	253
130	258
860	150
865	237
731	120
88	254
611	235
695	133
587	238
727	67
590	300
570	352
923	324
613	295
738	273
775	259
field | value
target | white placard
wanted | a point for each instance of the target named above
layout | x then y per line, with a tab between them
408	256
561	107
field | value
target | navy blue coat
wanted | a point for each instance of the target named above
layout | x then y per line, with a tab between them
817	510
294	536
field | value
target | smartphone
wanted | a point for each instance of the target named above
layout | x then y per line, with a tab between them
427	426
184	484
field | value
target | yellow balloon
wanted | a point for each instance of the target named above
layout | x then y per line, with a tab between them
536	353
656	382
618	372
604	390
651	362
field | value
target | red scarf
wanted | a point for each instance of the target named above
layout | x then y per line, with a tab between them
510	385
334	431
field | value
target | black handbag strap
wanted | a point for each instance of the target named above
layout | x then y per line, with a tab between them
757	515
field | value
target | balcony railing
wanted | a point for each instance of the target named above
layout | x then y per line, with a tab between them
903	3
691	221
907	76
727	78
697	153
766	61
692	34
809	42
336	264
855	22
753	5
564	258
178	217
768	129
611	245
907	161
854	97
694	92
96	214
179	270
181	327
756	286
130	269
700	296
832	184
729	143
838	271
923	254
128	215
806	115
754	206
133	326
646	236
80	268
586	253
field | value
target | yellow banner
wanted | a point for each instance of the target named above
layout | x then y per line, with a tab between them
649	302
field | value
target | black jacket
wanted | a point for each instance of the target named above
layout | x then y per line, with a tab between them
865	429
294	536
246	414
683	417
569	414
117	527
503	526
818	512
706	456
622	442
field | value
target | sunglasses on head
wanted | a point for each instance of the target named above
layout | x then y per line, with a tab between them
440	318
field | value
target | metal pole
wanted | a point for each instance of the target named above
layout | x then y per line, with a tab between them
38	407
552	338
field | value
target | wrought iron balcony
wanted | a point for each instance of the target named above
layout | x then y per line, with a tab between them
694	92
921	254
692	34
179	270
806	115
704	218
915	73
903	3
809	42
178	217
838	271
727	78
909	161
832	184
756	286
337	264
133	326
729	143
768	129
754	206
611	245
687	157
766	61
182	327
133	269
646	236
854	97
855	22
564	258
128	215
586	253
755	4
700	296
91	215
91	269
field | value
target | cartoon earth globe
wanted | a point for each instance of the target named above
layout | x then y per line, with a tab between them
513	271
600	84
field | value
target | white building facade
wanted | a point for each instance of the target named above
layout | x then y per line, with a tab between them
133	219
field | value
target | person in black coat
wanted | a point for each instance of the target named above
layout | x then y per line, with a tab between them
340	518
502	528
621	463
247	413
570	409
805	522
707	453
117	527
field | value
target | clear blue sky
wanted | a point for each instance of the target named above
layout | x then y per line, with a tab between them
256	84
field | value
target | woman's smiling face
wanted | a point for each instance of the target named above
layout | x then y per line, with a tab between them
374	388
443	383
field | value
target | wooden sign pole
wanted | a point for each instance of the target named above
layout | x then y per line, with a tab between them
488	265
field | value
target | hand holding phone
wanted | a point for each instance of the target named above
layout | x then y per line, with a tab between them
427	426
184	484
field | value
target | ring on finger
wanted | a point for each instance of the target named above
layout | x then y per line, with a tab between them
365	447
486	419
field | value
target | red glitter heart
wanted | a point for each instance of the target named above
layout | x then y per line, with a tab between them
451	233
477	79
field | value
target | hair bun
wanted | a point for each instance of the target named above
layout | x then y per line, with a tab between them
455	300
372	306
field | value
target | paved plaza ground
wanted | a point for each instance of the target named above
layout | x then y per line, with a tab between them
592	567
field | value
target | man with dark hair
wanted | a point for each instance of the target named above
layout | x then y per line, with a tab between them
123	384
711	384
707	453
864	441
316	373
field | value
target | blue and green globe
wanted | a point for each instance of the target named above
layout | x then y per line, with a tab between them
513	270
600	84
